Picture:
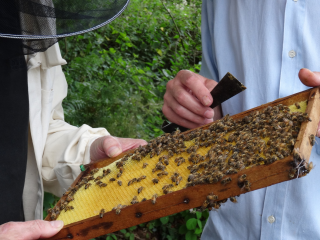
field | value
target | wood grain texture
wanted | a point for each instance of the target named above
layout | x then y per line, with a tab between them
259	176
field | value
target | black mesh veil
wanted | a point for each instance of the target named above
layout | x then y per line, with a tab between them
43	22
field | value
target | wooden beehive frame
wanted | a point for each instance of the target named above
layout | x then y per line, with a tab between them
259	176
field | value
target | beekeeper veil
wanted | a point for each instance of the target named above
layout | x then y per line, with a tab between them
27	27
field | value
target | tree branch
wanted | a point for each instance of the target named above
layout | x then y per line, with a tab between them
174	23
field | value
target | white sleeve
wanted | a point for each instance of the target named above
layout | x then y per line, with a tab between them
67	146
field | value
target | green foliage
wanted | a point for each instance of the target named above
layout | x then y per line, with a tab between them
117	74
117	77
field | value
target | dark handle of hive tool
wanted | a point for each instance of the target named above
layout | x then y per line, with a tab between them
227	87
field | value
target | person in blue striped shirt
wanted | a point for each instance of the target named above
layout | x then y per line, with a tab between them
273	48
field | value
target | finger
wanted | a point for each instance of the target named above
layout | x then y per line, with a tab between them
196	83
318	130
210	84
309	78
30	230
185	113
130	143
173	117
112	146
181	97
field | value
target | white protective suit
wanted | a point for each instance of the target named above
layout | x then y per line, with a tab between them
55	148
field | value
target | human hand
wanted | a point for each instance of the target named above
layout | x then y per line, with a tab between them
187	100
110	146
29	230
310	79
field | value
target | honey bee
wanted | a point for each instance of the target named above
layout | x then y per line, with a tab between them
178	180
309	167
161	174
211	197
241	180
191	177
155	180
167	186
53	216
226	181
106	172
120	183
143	200
49	210
132	181
102	212
312	139
67	208
119	164
112	179
91	178
166	191
166	162
247	185
140	189
102	184
205	204
119	174
98	178
69	198
118	208
233	199
145	165
297	105
135	200
154	198
93	171
292	173
141	178
87	185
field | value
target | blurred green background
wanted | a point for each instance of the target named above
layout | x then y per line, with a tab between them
117	77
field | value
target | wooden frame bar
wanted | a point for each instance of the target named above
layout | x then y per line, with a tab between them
259	176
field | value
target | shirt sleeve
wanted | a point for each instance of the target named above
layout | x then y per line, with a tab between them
66	146
208	64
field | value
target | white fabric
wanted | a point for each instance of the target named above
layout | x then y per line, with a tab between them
56	149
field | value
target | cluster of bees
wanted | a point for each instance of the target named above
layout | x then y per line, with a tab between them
231	146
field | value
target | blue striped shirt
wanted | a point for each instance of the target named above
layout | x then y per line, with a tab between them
264	43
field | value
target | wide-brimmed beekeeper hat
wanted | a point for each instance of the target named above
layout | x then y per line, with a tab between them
42	22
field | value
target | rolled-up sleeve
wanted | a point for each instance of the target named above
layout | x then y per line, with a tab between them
66	146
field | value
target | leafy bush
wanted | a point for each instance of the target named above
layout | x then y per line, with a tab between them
117	77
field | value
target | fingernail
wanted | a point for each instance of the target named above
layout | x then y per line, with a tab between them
114	151
206	100
57	224
207	121
208	114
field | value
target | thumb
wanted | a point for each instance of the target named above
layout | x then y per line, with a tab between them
30	230
309	78
112	146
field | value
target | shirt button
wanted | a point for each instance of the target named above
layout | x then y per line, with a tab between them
292	54
295	0
271	219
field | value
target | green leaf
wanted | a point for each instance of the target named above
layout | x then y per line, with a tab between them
127	235
191	223
199	224
183	229
191	236
131	236
109	238
132	228
123	231
164	220
114	236
169	237
199	214
205	214
198	231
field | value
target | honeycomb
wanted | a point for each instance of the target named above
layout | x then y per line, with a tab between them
89	202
